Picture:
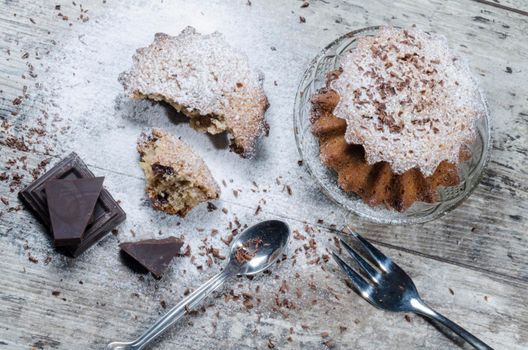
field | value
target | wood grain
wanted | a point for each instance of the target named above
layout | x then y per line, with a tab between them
478	250
513	6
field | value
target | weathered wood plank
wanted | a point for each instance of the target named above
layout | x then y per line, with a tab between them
71	61
113	303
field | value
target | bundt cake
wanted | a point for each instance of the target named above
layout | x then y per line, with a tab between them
374	183
395	119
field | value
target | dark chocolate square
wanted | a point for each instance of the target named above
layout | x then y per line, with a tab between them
107	213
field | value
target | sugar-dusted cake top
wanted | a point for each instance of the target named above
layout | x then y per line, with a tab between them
408	99
207	79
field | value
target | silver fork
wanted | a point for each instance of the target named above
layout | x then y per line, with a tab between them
385	285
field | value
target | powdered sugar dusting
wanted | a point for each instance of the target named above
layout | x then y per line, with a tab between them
407	99
206	78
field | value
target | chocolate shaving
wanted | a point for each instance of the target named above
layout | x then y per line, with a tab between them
247	251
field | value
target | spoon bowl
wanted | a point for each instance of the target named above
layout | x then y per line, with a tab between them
266	240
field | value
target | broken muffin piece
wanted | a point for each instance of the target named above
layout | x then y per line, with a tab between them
206	79
176	178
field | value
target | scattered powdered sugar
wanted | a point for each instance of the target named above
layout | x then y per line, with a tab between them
407	99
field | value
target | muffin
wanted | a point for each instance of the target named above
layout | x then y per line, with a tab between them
176	178
206	79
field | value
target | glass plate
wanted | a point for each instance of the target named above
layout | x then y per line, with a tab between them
450	197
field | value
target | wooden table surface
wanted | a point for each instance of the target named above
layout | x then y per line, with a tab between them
59	93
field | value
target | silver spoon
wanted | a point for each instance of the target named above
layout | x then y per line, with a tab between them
253	251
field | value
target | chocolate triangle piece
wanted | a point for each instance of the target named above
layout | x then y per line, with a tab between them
71	204
153	254
107	213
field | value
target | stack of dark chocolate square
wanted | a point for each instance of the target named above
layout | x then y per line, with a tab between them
72	204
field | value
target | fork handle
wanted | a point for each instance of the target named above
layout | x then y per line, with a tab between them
424	310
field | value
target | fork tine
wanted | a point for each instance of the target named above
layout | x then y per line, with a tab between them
358	282
367	268
378	257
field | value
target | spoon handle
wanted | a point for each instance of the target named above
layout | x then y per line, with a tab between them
178	311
